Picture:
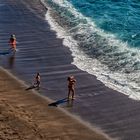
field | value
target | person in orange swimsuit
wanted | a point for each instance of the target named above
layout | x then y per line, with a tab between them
71	86
13	42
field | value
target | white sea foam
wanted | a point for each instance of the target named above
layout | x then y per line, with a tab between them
93	66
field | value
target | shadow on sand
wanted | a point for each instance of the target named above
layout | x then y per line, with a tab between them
31	87
62	101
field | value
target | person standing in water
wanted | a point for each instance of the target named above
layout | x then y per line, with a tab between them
13	42
71	86
37	81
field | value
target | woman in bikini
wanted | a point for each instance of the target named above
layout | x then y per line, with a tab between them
71	86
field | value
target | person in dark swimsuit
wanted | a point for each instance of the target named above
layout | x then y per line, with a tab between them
37	81
71	86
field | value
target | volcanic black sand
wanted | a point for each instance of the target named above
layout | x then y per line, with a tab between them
39	50
25	116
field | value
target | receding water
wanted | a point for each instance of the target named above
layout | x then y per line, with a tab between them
104	37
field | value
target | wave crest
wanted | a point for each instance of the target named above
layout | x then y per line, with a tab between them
95	51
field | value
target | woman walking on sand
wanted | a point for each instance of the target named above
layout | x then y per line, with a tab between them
71	86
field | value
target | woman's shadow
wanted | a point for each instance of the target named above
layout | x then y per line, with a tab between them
31	87
62	101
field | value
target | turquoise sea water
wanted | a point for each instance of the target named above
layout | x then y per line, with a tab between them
104	37
120	17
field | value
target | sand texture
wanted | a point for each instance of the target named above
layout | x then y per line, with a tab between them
40	50
26	116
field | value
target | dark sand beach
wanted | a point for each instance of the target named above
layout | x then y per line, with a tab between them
25	116
39	50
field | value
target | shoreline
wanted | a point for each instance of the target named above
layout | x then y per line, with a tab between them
94	133
114	113
24	112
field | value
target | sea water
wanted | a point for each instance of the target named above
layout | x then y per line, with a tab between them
104	37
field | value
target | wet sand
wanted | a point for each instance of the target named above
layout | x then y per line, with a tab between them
26	116
39	50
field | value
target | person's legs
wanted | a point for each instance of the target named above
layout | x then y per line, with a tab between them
38	85
69	93
73	93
